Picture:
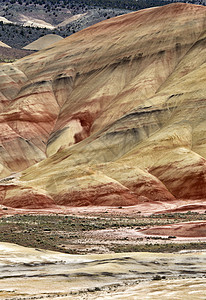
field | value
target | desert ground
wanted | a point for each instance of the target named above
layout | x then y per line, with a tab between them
28	273
103	253
103	162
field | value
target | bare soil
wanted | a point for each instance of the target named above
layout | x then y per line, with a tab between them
100	230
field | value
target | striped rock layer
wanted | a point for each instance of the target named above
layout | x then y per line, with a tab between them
112	115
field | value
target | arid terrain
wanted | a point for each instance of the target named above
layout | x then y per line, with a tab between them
112	122
22	21
40	274
103	162
103	253
104	230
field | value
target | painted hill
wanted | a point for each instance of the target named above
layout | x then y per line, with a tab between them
43	42
112	115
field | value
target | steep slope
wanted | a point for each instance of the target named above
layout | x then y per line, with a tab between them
118	109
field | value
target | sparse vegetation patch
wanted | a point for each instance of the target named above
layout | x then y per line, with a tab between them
95	234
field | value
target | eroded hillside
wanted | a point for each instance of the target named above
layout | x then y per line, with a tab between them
112	115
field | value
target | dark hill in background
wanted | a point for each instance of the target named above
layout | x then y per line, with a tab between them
11	54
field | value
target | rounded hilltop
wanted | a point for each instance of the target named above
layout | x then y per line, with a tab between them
112	115
43	42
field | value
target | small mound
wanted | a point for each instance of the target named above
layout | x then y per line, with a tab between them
43	42
187	229
184	208
4	45
29	199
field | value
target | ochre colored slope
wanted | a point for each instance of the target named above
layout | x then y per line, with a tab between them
43	42
112	115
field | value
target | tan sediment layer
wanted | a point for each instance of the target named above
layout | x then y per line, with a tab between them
35	272
112	115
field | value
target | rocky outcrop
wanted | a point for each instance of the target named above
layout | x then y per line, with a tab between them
112	115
